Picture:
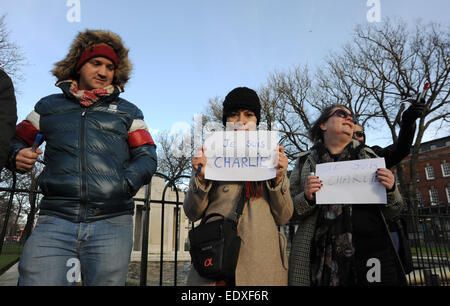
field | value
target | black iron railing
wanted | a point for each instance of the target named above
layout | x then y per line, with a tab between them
428	231
170	183
429	238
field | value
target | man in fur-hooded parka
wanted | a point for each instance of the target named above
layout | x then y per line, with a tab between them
98	154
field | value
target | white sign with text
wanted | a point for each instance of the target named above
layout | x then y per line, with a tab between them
351	182
241	155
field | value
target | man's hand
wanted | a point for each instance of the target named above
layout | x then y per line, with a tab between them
25	159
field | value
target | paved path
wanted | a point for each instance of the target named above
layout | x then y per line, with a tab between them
10	277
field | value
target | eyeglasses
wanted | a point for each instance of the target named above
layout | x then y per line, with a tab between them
343	114
359	134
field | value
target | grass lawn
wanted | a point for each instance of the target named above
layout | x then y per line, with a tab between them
431	251
11	249
6	260
10	254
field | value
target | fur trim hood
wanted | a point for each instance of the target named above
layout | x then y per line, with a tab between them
66	68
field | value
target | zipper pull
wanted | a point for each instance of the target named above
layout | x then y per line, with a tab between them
84	113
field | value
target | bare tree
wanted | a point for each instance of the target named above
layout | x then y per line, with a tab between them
213	111
389	62
292	105
24	203
11	57
335	85
170	163
284	106
380	67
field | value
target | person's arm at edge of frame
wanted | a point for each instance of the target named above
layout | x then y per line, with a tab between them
8	115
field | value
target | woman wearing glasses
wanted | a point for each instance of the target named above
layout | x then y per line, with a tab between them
335	244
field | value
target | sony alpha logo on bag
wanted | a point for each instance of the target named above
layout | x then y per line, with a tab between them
208	262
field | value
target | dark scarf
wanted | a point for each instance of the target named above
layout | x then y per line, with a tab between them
332	250
87	97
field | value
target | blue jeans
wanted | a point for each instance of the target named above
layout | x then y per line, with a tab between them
58	252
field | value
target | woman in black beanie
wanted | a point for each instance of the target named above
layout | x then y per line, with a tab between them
262	255
241	98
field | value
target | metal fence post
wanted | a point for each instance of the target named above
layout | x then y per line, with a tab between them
8	212
145	233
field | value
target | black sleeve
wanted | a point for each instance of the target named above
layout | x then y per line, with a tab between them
8	115
397	151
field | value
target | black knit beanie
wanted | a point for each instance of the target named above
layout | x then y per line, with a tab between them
241	98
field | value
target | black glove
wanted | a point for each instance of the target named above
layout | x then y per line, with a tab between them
415	111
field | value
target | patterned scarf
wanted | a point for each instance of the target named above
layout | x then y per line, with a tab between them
253	190
87	97
332	251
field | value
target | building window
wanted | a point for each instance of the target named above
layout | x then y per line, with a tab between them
434	196
447	191
445	169
429	172
419	198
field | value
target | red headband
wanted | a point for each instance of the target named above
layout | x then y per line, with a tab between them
102	50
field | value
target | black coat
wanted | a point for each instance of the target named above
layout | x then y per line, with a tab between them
397	151
8	115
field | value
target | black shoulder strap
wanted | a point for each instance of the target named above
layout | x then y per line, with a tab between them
238	212
240	207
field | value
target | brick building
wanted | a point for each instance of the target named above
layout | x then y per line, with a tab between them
433	173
